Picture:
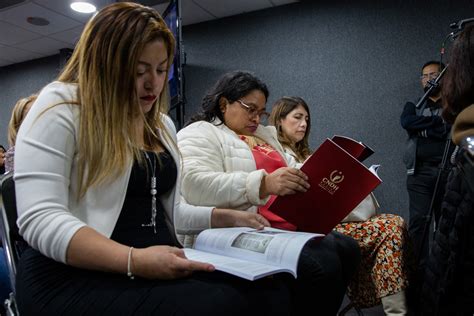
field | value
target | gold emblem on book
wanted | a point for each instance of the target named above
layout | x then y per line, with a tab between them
330	184
336	176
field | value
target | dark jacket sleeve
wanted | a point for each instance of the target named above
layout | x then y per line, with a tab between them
417	123
440	131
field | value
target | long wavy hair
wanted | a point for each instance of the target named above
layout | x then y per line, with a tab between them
18	115
232	86
103	65
280	110
458	82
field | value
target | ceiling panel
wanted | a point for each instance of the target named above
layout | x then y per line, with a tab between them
17	55
4	62
282	2
21	41
70	36
160	7
63	7
44	46
224	8
11	34
193	13
18	15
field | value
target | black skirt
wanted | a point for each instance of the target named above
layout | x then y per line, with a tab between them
46	287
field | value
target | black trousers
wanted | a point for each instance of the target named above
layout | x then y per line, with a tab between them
46	287
420	188
324	271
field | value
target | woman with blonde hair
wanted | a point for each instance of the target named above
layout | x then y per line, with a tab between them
19	112
97	176
382	275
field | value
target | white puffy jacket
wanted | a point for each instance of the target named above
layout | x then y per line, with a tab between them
219	168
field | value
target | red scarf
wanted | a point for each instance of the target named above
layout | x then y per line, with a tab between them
268	159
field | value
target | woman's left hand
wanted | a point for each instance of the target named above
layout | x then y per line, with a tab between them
235	218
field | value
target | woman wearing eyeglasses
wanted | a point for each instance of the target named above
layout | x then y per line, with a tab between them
427	168
230	159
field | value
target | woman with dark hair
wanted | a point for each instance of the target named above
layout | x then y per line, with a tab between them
449	277
231	160
458	84
382	276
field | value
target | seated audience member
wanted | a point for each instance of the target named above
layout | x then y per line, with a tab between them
231	160
449	277
4	273
382	275
5	288
86	159
2	159
20	110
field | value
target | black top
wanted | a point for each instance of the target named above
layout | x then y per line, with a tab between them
136	209
429	129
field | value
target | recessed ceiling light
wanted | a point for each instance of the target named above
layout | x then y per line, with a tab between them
83	7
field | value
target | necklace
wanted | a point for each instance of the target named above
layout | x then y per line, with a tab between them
152	191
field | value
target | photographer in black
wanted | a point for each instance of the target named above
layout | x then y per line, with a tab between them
428	139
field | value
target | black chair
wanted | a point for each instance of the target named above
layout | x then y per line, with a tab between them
12	242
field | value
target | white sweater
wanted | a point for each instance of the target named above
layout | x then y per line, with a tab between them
49	213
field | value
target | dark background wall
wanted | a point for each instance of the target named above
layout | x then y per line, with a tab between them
355	62
19	81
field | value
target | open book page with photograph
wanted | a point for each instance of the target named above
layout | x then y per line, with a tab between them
249	253
339	182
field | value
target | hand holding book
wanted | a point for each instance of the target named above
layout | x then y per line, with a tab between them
284	181
339	182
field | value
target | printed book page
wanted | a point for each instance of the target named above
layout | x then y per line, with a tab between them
374	169
250	253
242	268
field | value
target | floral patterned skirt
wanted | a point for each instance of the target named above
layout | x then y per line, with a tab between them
383	268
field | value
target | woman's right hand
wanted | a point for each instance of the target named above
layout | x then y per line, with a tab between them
164	262
222	217
284	181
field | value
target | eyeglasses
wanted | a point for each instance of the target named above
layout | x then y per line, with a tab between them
253	112
430	76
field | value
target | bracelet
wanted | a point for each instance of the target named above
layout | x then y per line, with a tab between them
129	264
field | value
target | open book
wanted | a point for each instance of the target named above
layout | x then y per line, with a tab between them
249	253
339	182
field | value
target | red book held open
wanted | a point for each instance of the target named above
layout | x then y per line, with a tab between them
339	182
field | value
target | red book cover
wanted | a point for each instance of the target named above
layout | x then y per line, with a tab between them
357	149
339	182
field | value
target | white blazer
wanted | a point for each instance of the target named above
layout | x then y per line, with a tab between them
49	213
